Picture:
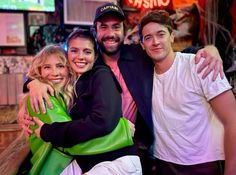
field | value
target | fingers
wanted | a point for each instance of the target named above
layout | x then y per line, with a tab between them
132	128
203	65
222	75
210	66
212	61
29	122
198	56
216	72
38	93
48	101
41	105
215	66
51	90
40	124
27	131
25	122
218	69
37	121
206	72
34	104
25	119
38	103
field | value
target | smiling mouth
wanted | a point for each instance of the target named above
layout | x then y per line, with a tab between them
55	81
110	42
80	64
156	49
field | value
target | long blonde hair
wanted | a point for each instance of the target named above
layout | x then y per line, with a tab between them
36	66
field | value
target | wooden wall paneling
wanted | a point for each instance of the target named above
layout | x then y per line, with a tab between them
11	83
3	89
20	79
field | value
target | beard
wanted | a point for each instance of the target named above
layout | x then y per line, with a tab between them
110	51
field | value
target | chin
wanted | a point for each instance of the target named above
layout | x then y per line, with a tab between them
82	71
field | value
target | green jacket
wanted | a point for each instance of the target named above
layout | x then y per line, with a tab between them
49	160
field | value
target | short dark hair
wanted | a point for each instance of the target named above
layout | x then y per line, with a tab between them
157	16
82	33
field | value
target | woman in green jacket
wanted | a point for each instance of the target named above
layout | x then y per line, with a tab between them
49	160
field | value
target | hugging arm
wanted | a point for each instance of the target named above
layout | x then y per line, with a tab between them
120	137
103	117
212	60
38	92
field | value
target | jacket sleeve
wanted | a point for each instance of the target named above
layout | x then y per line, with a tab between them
118	138
192	49
25	89
101	120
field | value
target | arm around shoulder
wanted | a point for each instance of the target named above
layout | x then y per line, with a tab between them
38	92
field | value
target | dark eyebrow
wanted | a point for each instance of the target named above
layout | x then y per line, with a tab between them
161	31
73	48
88	49
146	35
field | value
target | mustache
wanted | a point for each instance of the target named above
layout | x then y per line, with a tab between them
111	38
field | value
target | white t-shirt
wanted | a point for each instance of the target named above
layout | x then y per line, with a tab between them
186	130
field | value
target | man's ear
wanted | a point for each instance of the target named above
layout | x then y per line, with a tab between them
141	43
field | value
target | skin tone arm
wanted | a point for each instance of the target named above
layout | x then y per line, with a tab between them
37	97
224	105
212	60
25	121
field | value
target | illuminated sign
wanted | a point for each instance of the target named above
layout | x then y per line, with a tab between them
149	4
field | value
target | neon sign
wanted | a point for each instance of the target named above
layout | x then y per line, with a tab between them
148	4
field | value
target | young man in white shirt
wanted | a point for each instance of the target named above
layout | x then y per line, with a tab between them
194	119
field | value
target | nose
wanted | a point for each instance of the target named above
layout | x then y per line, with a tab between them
110	32
80	55
155	40
55	71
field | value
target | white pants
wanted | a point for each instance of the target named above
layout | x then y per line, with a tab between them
72	169
126	165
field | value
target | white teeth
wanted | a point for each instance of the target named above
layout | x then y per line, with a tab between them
56	80
80	64
110	42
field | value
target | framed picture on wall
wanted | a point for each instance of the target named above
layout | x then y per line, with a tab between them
32	30
12	29
36	19
86	12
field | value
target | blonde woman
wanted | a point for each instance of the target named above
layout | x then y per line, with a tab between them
50	65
